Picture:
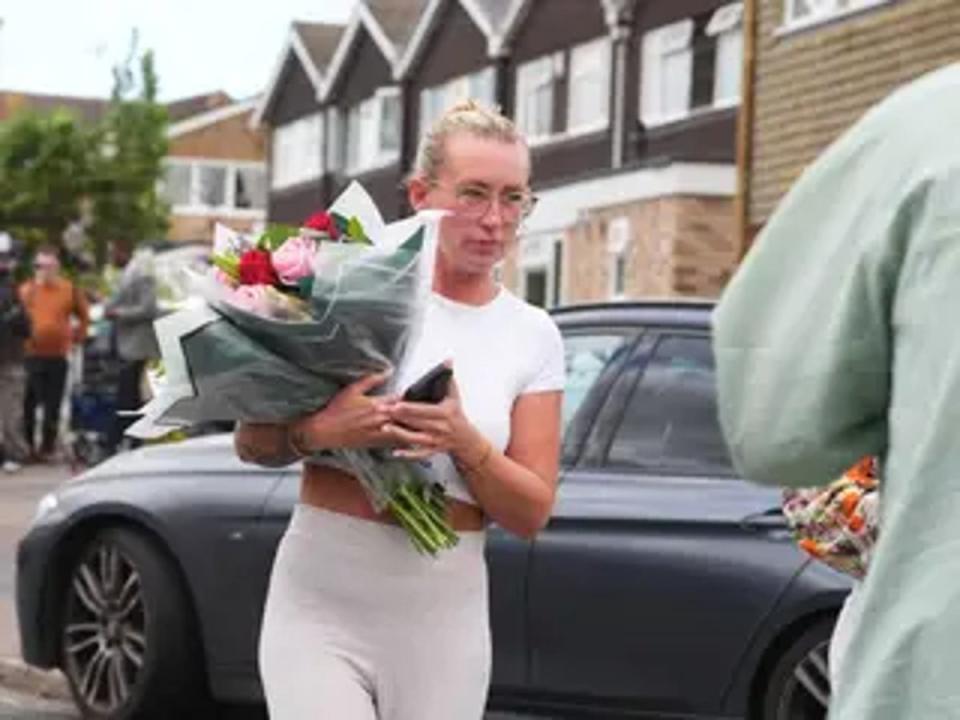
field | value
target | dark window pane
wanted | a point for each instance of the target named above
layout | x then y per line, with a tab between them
704	65
670	423
536	287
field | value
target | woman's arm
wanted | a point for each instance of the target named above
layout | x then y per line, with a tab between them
264	444
351	419
515	488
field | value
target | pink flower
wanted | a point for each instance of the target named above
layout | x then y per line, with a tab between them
254	299
221	277
293	260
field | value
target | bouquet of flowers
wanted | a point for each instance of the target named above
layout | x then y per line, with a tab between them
838	524
291	317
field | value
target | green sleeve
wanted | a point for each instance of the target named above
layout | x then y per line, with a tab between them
803	333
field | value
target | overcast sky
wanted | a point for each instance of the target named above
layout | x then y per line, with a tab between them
67	47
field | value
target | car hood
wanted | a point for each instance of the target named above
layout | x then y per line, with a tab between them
211	454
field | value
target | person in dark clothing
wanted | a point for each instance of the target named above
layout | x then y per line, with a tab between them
14	330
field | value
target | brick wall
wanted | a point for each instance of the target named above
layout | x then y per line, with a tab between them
679	246
813	84
231	139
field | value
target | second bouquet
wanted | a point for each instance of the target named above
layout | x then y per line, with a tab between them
289	318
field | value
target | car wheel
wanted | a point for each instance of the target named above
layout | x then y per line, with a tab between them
128	641
799	686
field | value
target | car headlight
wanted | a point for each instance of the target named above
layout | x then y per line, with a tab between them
48	505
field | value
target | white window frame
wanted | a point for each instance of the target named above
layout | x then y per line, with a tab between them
600	49
373	155
726	26
454	90
297	152
821	11
675	39
537	254
538	74
618	251
227	209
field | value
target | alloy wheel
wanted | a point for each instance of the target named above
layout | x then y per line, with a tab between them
806	694
104	633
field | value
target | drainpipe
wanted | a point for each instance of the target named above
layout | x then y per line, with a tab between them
621	36
745	126
618	14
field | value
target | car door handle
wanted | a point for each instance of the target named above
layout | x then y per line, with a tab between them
770	519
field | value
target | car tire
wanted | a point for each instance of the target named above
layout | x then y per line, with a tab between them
799	683
129	643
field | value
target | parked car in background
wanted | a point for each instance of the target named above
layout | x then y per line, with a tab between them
663	585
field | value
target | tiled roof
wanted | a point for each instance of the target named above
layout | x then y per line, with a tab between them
320	41
398	18
187	107
85	108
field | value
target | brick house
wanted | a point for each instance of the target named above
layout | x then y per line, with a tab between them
817	67
630	109
215	172
215	166
290	113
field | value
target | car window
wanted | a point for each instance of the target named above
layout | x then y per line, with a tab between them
586	357
670	421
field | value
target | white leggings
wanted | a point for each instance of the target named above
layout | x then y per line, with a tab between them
358	626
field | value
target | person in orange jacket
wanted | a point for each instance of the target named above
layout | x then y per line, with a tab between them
59	317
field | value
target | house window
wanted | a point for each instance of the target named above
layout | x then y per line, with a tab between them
810	12
589	87
176	183
667	73
249	188
541	270
726	27
692	66
198	187
335	155
297	155
373	131
618	246
436	100
536	81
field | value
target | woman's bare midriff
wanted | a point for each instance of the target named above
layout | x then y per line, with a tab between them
331	489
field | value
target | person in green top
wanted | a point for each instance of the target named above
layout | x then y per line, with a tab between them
839	338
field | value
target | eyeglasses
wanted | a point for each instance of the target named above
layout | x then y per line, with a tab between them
474	202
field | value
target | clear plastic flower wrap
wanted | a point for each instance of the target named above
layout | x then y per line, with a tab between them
270	342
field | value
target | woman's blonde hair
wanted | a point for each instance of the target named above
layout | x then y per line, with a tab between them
471	117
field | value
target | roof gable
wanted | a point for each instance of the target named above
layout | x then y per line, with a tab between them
489	16
310	44
364	20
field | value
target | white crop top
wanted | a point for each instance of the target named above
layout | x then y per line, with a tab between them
500	350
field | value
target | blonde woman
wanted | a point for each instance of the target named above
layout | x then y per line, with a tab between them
357	625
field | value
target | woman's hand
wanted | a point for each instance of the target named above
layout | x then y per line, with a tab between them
352	419
424	429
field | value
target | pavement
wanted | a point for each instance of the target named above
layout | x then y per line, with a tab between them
19	494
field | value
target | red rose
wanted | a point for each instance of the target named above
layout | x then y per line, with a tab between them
322	222
256	268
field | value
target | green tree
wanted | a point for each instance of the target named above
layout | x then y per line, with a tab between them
45	173
127	207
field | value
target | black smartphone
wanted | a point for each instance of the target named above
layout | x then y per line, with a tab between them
431	387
